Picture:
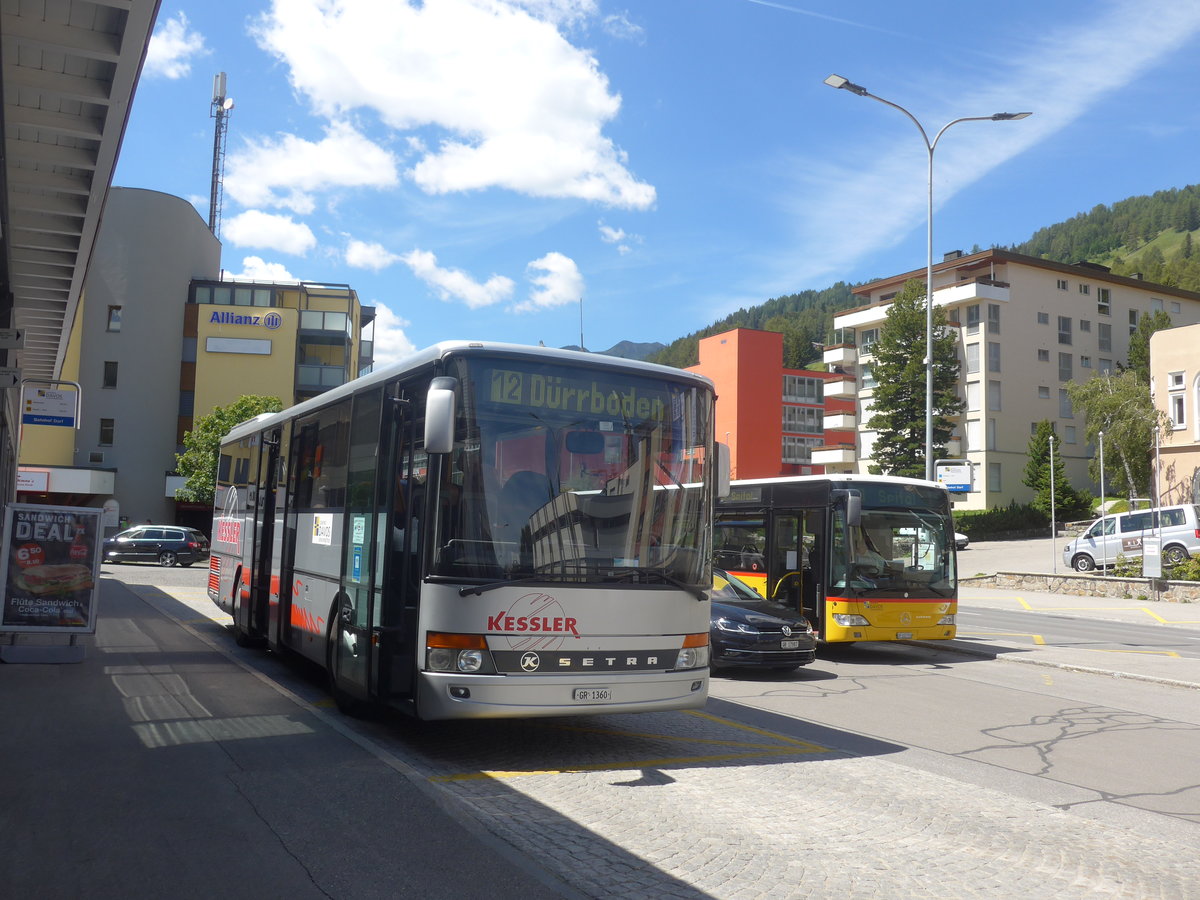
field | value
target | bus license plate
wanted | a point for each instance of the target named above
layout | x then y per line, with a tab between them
789	645
904	635
592	695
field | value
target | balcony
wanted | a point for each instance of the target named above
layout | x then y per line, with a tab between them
837	456
842	387
972	292
840	355
843	421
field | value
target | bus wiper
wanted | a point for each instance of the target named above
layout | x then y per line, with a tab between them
632	575
540	578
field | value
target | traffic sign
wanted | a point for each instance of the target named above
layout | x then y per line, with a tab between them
9	377
12	339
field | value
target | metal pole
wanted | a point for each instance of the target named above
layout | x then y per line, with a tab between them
1053	526
1103	569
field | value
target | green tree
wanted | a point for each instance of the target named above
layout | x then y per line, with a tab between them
1119	405
202	444
899	371
1139	342
1069	503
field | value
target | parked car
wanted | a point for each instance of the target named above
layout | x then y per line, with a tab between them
961	541
1122	534
746	630
167	545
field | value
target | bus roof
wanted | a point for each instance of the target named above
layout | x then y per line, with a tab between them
428	356
837	476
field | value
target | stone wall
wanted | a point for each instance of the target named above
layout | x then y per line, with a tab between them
1092	586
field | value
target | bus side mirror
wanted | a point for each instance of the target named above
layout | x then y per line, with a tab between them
722	469
439	415
853	506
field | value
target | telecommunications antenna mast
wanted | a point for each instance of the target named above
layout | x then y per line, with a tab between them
222	106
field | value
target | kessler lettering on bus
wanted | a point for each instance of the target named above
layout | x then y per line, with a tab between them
504	622
583	396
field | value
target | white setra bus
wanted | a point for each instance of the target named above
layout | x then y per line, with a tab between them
481	530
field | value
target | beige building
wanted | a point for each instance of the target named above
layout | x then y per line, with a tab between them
1175	386
1026	327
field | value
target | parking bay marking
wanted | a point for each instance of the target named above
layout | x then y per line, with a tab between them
781	746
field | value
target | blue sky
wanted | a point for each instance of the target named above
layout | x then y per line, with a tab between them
473	168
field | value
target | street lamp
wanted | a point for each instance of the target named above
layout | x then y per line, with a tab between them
837	81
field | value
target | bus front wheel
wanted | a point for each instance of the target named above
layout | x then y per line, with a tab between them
346	702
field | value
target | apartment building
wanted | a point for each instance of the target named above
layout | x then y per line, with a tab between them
162	339
772	417
1175	387
1026	327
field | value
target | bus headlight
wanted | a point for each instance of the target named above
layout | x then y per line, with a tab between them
466	653
946	620
846	620
694	654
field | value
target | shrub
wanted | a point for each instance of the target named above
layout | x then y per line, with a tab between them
1002	519
1124	567
1188	570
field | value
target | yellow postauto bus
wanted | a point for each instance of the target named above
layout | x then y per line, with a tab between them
864	557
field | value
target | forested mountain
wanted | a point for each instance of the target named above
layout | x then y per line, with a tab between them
804	319
1153	236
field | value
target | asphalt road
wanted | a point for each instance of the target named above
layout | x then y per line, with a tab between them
1035	556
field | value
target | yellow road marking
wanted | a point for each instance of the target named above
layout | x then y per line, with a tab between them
1036	638
1151	613
1146	652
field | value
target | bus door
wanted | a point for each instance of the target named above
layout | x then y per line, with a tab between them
251	619
352	654
796	560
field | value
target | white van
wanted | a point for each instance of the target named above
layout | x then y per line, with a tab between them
1122	534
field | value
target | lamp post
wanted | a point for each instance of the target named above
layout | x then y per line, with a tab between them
837	81
1102	495
1053	524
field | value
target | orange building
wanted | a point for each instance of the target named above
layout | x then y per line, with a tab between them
771	417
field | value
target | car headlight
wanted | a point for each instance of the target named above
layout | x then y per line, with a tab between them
846	621
731	627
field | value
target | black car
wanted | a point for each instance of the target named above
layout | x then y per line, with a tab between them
167	545
746	630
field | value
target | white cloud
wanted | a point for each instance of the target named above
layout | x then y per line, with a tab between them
510	102
172	49
620	27
875	195
391	341
561	283
362	255
611	235
255	268
454	284
255	228
288	170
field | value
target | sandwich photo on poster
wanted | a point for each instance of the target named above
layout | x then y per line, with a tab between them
50	568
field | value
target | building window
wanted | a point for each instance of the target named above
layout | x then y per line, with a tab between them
868	377
805	390
1043	392
1043	356
1069	434
973	319
1062	284
993	476
1156	304
1085	362
1085	325
107	426
993	318
1175	306
803	420
972	396
110	375
1104	337
991	434
114	318
1085	289
1178	416
798	449
972	359
1133	317
1064	405
993	396
1065	372
1043	318
866	338
1104	301
1064	330
973	435
1105	365
993	352
1175	380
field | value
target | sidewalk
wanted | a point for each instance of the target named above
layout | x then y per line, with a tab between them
158	767
1144	664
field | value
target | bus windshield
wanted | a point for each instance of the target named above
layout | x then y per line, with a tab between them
893	552
568	472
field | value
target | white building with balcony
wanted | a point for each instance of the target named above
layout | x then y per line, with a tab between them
1026	327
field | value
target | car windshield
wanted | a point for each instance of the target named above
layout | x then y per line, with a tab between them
567	472
728	589
893	553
